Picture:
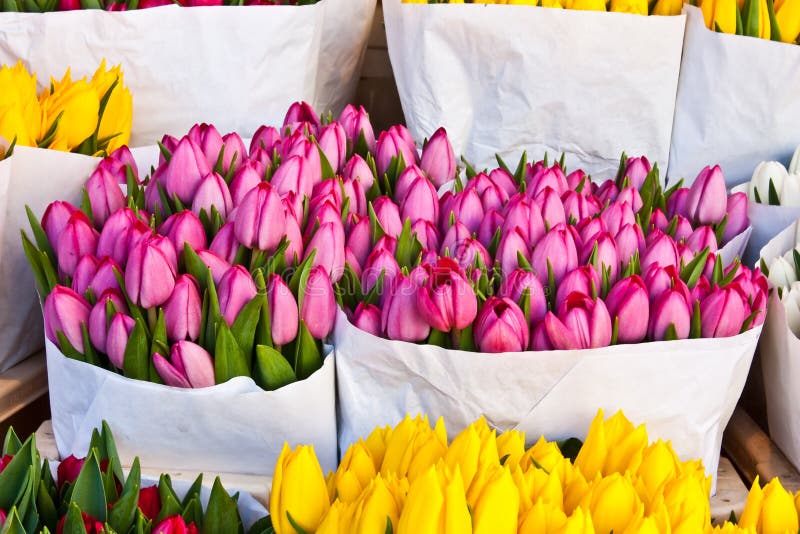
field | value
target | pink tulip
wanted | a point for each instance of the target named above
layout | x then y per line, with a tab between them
556	249
492	220
55	219
266	138
407	178
552	208
629	304
322	213
670	308
174	524
501	327
700	291
84	273
328	241
512	244
260	219
150	274
212	192
552	177
584	280
105	195
76	240
181	176
703	237
636	170
235	290
299	114
283	312
356	122
233	152
105	276
683	228
578	178
493	196
299	145
327	191
67	312
357	169
359	240
354	193
120	233
455	235
224	243
468	251
575	206
539	339
119	331
392	145
676	203
427	234
400	318
438	158
607	192
99	319
367	317
661	250
447	300
589	228
465	207
318	309
167	141
582	323
379	261
247	176
514	286
630	241
738	221
631	196
660	279
388	215
294	252
708	198
723	312
217	265
333	143
189	366
420	203
184	228
183	310
209	140
659	220
617	215
605	258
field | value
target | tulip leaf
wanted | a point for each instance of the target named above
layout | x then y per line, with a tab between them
11	443
13	525
294	524
671	333
222	512
750	19
328	171
376	229
123	511
349	288
408	246
308	356
519	173
271	370
615	331
438	339
469	170
213	315
623	165
716	273
42	241
696	326
193	511
88	492
719	231
245	325
739	24
67	348
774	198
523	262
50	135
90	354
374	295
43	271
692	271
502	163
467	339
796	258
229	360
262	526
264	328
748	322
194	491
136	363
170	504
389	528
48	515
732	271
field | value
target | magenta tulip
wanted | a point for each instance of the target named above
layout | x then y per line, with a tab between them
266	138
181	176
504	180
700	291
492	220
629	305
84	273
708	198
427	234
607	192
260	219
511	246
589	228
602	251
659	220
670	308
183	310
575	206
99	320
189	366
67	312
76	240
150	274
630	241
55	219
400	317
224	243
555	252
738	221
543	177
392	145
438	159
105	195
333	143
356	122
723	312
217	265
209	140
322	213
515	284
661	250
683	228
617	215
388	215
119	330
169	142
235	290
299	114
357	169
293	175
359	240
367	317
407	178
584	280
184	228
501	327
318	308
283	312
299	145
212	191
493	195
447	300
117	163
467	252
579	179
660	279
676	203
120	234
703	237
581	323
233	152
105	276
356	197
294	252
552	208
380	261
465	207
247	176
455	235
328	242
636	170
420	203
631	196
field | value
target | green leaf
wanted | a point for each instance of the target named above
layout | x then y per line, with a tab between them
229	360
692	271
671	334
570	448
222	512
11	444
193	512
262	526
774	198
46	279
67	348
194	490
271	370
42	242
294	524
308	357
519	173
696	327
123	512
13	525
136	363
170	504
48	515
408	247
213	315
245	325
389	529
327	169
88	492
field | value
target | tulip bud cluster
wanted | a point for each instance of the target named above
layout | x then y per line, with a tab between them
545	260
411	479
773	184
68	114
777	20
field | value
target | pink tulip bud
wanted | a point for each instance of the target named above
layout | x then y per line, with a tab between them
181	176
447	300
670	308
631	196
492	220
183	310
515	284
105	195
504	180
617	215
260	219
357	169
576	179
68	5
630	240
512	244
359	240
575	206
55	219
605	258
501	327
700	291
354	193
318	309
84	273
262	157
119	330
120	234
658	220
493	196
455	235
174	524
105	276
556	250
233	152
217	265
552	207
299	145
701	238
676	203
76	240
150	274
367	317
723	312
283	312
67	312
266	138
582	323
189	366
328	241
167	141
544	177
465	207
584	280
184	228
388	215
589	228
235	290
438	158
294	174
380	261
351	261
333	143
607	192
407	178
212	192
249	174
209	140
356	122
636	170
301	113
224	243
737	216
660	279
421	202
468	251
629	303
707	199
683	228
661	250
427	234
99	320
294	252
391	145
400	318
323	212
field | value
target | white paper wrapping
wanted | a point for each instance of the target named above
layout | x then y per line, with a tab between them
32	177
729	115
684	391
508	78
767	222
235	427
236	67
736	247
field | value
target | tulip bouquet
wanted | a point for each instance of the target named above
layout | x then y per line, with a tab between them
93	495
43	6
776	21
411	479
636	7
84	116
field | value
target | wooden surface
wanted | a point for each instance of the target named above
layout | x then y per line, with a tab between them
23	395
755	454
731	493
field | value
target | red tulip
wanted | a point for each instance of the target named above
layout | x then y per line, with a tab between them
150	502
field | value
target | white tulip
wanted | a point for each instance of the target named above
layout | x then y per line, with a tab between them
794	166
781	272
790	195
791	303
766	171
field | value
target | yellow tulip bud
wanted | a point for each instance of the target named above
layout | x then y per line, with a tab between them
720	13
299	490
730	528
592	456
587	5
523	2
13	127
635	7
613	503
575	489
552	3
612	446
667	7
376	443
545	453
771	510
399	446
473	448
375	508
511	446
542	518
118	113
20	113
75	107
659	465
686	500
538	485
337	520
580	522
355	472
496	504
436	504
428	449
787	15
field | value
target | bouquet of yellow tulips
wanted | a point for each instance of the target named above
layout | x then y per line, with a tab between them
408	479
87	116
778	20
636	7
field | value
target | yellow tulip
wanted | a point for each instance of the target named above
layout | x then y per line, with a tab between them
428	449
337	520
355	472
542	518
635	7
686	500
75	106
376	506
475	447
545	453
575	489
400	445
720	13
587	5
659	465
667	7
730	528
511	446
436	504
495	504
299	490
376	443
523	2
552	3
643	525
787	15
612	446
536	485
118	113
613	503
580	522
13	127
771	510
19	105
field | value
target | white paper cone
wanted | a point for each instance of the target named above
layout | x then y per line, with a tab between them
685	391
780	244
235	427
729	115
506	78
767	222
